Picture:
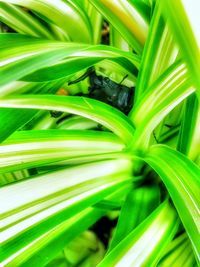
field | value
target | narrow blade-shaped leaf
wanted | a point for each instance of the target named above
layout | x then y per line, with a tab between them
106	115
182	180
27	149
29	215
189	140
139	203
127	19
144	245
181	15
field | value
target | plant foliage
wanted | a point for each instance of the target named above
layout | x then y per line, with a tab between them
77	173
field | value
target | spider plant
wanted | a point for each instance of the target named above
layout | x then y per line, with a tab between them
60	176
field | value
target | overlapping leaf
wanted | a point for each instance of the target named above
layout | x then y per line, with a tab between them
26	217
22	21
144	245
31	54
127	18
61	14
182	180
104	114
165	94
181	15
33	148
139	203
159	53
189	141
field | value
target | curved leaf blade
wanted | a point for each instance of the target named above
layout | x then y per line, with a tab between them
178	253
22	21
34	148
170	89
189	141
61	14
34	55
127	19
184	14
182	180
159	53
139	204
144	245
69	191
104	114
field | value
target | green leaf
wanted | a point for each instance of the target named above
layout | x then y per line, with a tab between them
22	21
77	123
127	19
178	253
104	114
53	59
164	95
144	245
182	180
27	149
159	53
26	217
86	159
28	55
117	40
189	141
163	89
61	14
181	15
12	119
168	130
10	177
21	87
72	65
139	203
142	7
37	253
96	20
8	122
